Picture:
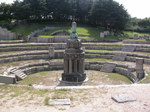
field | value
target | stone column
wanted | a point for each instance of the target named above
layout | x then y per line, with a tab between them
51	52
70	66
139	68
75	66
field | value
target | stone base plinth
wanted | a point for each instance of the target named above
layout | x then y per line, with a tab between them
73	77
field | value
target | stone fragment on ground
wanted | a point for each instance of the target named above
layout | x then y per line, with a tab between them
59	102
122	98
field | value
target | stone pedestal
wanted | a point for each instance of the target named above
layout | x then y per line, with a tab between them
74	62
139	68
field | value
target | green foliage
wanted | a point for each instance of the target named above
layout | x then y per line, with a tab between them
106	13
5	12
139	25
109	14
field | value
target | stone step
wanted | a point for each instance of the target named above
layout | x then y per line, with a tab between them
20	76
18	71
129	48
119	57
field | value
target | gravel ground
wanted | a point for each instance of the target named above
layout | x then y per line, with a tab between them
91	100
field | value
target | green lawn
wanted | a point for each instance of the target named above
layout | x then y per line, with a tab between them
131	34
88	33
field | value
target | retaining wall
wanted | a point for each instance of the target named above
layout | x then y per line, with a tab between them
136	42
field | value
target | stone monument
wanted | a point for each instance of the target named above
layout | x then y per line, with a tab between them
74	59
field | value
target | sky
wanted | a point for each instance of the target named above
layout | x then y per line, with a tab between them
136	8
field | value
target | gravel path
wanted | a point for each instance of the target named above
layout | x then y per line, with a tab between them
98	100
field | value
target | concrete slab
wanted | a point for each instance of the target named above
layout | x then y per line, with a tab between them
122	98
59	102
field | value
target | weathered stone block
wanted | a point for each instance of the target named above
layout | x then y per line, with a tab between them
119	57
108	67
8	79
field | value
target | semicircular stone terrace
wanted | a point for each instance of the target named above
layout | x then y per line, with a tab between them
36	57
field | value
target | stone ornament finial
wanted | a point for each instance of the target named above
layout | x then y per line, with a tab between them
74	35
74	26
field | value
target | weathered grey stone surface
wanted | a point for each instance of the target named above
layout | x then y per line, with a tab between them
136	42
19	74
119	57
74	59
139	68
108	67
122	98
59	102
74	62
102	35
7	35
126	72
51	52
129	48
8	79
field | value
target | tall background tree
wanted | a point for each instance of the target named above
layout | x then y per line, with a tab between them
105	13
108	14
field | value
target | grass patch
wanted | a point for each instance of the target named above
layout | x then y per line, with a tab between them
46	101
46	36
117	77
88	33
60	94
134	40
99	59
101	51
147	79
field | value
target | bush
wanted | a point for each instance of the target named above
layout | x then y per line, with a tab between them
5	24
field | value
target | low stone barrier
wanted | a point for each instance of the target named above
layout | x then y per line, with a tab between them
7	35
139	49
21	58
23	49
126	73
136	42
11	42
39	32
8	79
47	66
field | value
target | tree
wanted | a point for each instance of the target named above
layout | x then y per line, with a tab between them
108	14
20	10
5	12
144	23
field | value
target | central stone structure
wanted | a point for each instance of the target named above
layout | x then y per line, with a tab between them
74	59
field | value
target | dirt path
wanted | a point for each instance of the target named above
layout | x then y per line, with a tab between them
91	100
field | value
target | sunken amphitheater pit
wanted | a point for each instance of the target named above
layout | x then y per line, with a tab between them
34	61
